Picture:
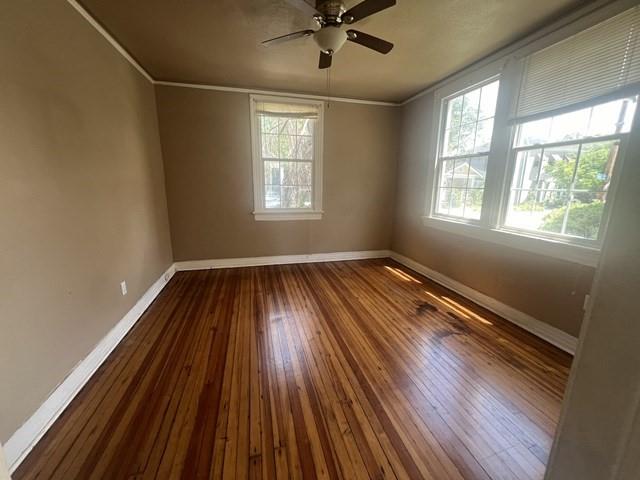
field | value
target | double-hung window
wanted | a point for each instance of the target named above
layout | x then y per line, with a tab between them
464	150
287	158
532	160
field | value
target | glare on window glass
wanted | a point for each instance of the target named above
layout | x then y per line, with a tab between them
601	120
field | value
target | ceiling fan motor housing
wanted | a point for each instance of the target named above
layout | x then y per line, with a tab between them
330	39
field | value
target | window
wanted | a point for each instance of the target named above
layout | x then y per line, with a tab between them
533	164
464	149
563	169
287	158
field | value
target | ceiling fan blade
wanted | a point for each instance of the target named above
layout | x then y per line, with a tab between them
366	8
325	60
369	41
304	7
286	38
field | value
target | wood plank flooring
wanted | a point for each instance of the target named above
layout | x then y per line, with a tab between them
359	369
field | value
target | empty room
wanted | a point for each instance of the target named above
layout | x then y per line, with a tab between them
332	239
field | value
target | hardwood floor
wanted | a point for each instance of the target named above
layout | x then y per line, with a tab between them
359	369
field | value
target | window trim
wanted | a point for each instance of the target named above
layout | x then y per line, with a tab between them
502	156
260	212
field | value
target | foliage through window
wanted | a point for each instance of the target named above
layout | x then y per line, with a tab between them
563	169
465	145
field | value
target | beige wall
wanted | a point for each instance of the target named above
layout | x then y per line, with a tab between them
206	147
548	289
82	202
599	433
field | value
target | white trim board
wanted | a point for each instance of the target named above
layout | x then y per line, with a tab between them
553	335
121	50
275	93
28	435
279	260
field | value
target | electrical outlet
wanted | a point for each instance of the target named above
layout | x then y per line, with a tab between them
123	287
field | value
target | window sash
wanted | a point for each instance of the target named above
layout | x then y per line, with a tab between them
441	158
501	224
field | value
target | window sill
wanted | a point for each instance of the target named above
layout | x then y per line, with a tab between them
286	215
581	254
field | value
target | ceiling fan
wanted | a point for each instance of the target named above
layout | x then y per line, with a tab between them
330	16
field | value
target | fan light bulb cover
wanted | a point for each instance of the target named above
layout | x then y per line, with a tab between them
330	39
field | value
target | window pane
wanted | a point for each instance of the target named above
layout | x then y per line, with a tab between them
272	197
473	204
595	166
287	146
270	146
467	138
534	133
457	202
454	113
269	124
569	126
287	126
272	173
451	138
444	197
477	172
288	173
304	197
304	148
484	132
470	106
488	100
304	173
530	209
585	216
460	173
306	126
558	167
291	197
527	168
446	173
605	119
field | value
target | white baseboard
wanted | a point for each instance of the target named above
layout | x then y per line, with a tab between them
26	437
279	260
553	335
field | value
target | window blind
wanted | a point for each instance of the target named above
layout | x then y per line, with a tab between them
601	61
295	110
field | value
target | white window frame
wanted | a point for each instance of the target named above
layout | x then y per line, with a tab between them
500	165
260	212
443	96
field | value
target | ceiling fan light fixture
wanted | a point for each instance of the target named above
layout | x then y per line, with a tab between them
330	39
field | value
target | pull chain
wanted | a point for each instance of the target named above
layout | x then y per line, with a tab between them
328	88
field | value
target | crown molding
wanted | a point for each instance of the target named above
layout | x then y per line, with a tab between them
203	86
115	44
